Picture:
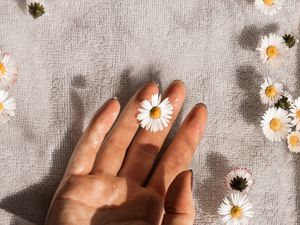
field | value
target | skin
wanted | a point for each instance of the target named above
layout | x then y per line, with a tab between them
109	180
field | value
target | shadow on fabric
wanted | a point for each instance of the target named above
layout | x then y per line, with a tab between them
212	190
37	197
250	36
248	79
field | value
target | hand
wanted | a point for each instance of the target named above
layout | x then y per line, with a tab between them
103	187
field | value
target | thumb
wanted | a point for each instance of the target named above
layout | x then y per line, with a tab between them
179	205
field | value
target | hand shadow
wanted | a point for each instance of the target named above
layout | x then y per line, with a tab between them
212	191
129	83
32	203
248	79
250	36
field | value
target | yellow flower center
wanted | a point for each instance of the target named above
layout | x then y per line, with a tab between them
272	51
298	114
1	107
268	2
236	212
155	112
271	91
294	140
275	124
2	69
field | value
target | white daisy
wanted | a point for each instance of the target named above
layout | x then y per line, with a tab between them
155	115
7	106
295	114
271	91
8	71
273	50
236	210
269	7
239	179
294	142
276	124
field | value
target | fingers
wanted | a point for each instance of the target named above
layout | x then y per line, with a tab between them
111	154
179	205
146	145
83	157
180	153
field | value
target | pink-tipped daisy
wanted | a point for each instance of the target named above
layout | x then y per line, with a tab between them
239	179
8	71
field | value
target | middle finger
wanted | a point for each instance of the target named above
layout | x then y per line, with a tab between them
146	145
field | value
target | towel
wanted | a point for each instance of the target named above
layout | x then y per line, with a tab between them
80	53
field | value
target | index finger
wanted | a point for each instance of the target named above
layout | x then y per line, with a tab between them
83	157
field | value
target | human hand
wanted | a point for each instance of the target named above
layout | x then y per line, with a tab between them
103	187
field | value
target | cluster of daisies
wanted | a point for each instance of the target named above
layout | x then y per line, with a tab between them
35	8
269	7
155	114
8	77
236	209
281	122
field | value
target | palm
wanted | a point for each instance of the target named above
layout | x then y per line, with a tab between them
104	200
110	178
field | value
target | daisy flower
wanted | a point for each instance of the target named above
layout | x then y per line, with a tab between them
155	115
8	71
236	210
295	114
270	91
7	106
294	142
239	179
35	8
273	50
276	124
269	7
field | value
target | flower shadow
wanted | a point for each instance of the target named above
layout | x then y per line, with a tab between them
248	79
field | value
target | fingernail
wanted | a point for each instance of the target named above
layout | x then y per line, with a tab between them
178	81
202	104
156	83
192	179
115	97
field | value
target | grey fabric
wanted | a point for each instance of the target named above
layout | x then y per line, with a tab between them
85	51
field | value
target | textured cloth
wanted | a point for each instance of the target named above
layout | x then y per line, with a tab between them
82	52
